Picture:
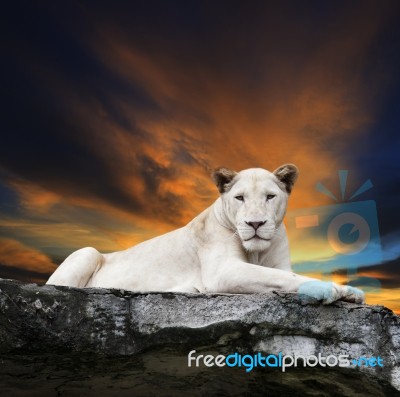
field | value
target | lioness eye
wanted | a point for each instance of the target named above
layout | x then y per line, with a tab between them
240	198
270	196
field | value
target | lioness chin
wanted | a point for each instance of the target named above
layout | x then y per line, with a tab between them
237	245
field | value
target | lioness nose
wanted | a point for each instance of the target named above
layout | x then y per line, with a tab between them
256	225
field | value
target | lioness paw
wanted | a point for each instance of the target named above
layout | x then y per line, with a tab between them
327	292
324	292
352	294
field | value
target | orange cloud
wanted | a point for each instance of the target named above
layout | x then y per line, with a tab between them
218	120
389	297
34	198
15	254
305	110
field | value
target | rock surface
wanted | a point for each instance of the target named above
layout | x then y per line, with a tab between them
60	341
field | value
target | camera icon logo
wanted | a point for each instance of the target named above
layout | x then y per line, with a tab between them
343	236
345	240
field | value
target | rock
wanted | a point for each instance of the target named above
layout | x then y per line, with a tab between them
61	341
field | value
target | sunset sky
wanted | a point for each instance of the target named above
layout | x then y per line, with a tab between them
115	113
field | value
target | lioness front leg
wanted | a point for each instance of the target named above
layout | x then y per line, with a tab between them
235	276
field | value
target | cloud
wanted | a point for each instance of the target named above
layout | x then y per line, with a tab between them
142	133
15	254
389	297
33	198
391	245
158	114
312	252
308	108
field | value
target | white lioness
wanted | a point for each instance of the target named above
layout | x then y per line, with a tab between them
237	245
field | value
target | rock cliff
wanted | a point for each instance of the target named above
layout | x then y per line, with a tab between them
60	341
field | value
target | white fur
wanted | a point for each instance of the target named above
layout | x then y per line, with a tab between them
216	252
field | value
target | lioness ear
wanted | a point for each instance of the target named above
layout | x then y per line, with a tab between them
222	177
287	174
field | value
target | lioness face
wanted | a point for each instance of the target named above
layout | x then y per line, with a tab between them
255	201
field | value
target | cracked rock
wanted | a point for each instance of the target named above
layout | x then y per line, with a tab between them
69	341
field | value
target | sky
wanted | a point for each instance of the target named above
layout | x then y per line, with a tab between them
114	114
